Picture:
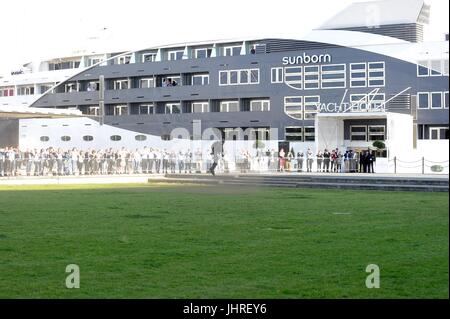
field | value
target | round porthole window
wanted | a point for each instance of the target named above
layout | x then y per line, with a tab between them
65	138
140	137
116	138
45	138
88	138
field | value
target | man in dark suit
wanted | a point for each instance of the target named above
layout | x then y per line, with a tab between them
326	161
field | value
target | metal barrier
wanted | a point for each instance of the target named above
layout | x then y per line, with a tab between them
421	163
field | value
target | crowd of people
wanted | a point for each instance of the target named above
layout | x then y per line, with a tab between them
326	161
61	162
148	160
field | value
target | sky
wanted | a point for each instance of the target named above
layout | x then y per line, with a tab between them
33	30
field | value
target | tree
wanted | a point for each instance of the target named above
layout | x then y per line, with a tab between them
258	144
379	145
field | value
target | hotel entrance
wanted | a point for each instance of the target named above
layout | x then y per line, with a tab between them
358	131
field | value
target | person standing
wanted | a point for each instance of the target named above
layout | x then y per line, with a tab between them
363	162
346	162
144	157
326	161
300	158
309	160
28	155
282	158
151	160
319	159
289	158
339	160
216	150
198	161
2	162
333	157
372	161
180	161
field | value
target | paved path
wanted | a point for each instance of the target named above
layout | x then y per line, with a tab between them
144	178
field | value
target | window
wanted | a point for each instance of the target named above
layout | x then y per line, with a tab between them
148	57
422	69
239	77
254	76
120	110
259	105
172	108
52	66
202	53
93	86
309	134
439	133
223	77
93	110
377	132
200	107
293	107
145	109
293	76
310	106
244	77
232	50
358	133
115	138
88	138
175	55
140	138
121	84
358	75
423	100
358	102
93	60
293	133
6	91
277	75
436	68
44	138
43	88
25	90
200	79
376	74
311	77
65	138
233	76
125	59
70	87
229	106
173	79
147	83
436	100
446	100
333	76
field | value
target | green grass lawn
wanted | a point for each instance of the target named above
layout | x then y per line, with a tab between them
160	241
